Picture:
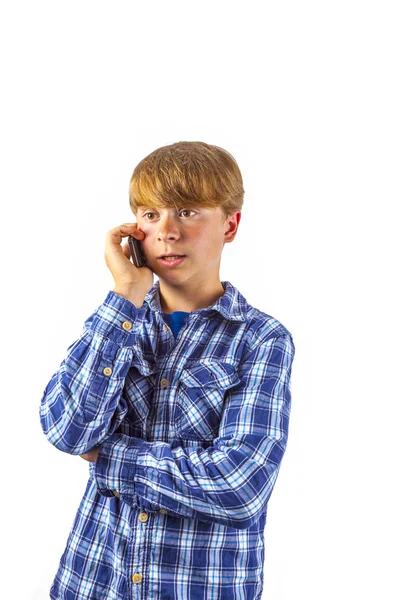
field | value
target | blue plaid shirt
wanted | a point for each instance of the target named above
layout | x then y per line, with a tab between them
191	431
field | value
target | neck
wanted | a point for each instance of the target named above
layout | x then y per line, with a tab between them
174	298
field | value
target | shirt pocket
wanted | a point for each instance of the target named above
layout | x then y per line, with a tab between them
200	398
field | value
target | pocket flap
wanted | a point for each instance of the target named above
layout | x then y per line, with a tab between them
210	374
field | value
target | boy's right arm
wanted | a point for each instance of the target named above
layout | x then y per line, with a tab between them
82	404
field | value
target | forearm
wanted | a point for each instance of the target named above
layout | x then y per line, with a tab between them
224	484
83	403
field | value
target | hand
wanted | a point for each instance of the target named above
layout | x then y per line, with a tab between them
117	257
92	455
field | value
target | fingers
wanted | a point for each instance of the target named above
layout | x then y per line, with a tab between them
116	235
132	229
118	257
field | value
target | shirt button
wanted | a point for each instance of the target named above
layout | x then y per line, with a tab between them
165	327
163	511
136	578
143	517
107	371
127	325
116	493
164	382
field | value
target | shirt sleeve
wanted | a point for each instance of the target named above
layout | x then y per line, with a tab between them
83	402
229	482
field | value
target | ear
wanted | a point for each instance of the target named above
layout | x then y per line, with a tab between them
231	226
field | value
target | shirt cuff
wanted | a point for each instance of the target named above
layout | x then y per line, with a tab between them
115	319
116	465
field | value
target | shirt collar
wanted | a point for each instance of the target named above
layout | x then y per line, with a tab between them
231	305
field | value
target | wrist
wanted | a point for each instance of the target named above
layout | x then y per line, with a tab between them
131	293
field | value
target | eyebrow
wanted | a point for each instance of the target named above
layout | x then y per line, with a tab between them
147	207
143	209
187	207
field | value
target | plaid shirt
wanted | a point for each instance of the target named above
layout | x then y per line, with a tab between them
191	431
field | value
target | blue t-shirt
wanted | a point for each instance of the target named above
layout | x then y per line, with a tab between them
176	320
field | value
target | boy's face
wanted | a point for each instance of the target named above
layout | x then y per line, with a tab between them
198	233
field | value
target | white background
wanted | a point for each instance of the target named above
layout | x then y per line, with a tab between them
305	95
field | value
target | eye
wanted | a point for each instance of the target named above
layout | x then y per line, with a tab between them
183	210
187	210
148	213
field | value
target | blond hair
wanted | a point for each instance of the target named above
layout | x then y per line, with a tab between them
187	174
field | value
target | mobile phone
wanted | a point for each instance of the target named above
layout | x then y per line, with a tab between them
137	254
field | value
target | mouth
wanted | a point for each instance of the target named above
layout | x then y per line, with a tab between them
171	260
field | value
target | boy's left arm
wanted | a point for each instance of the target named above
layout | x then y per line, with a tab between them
229	482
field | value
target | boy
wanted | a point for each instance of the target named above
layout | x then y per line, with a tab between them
178	394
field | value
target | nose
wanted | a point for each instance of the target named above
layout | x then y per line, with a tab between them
168	228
